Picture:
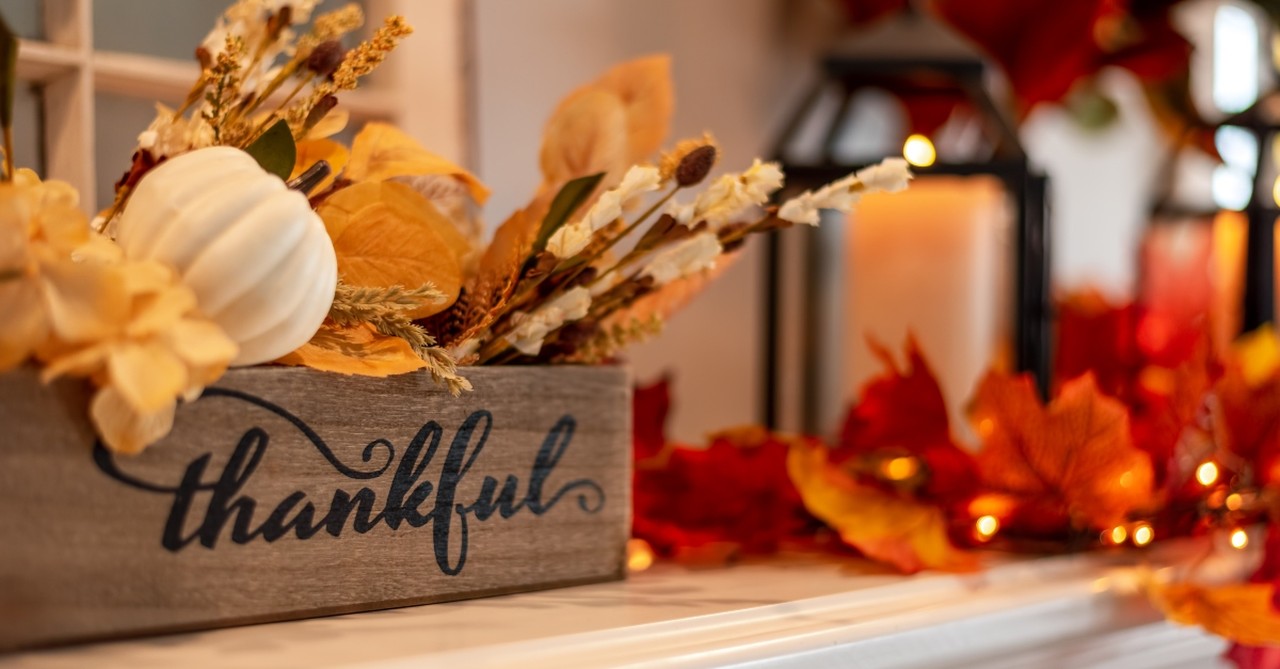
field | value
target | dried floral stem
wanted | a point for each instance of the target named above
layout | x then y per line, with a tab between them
194	95
273	116
625	232
385	309
357	304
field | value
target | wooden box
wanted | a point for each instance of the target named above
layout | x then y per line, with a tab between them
289	493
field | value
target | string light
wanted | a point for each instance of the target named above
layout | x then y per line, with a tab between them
986	527
1116	535
1239	539
1234	501
919	151
1143	534
900	468
1207	473
639	555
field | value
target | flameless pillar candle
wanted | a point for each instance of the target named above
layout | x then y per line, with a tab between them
1230	232
934	261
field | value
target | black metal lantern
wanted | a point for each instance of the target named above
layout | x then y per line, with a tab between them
910	57
1262	120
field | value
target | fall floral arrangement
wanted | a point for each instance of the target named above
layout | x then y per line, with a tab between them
243	234
1149	436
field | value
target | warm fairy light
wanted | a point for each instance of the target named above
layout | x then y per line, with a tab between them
639	555
1126	479
1117	535
1239	539
1234	501
1143	534
986	426
900	468
919	151
1207	473
1275	191
986	527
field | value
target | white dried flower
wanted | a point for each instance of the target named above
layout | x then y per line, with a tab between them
683	213
732	194
638	180
464	349
168	136
570	239
889	176
692	255
532	328
247	19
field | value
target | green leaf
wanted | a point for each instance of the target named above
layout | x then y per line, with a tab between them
8	70
565	203
274	150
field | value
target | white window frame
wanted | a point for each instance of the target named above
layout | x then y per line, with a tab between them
420	87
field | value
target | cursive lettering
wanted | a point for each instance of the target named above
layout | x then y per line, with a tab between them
206	505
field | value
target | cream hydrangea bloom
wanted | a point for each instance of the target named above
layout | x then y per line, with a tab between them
532	328
162	350
70	298
692	255
44	290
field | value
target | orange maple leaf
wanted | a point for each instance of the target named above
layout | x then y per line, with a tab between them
1240	612
903	533
1076	454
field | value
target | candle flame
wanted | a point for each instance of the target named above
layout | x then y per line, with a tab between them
919	151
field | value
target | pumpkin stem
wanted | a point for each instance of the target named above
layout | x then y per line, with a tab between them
308	180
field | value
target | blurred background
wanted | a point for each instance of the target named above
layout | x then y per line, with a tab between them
1148	118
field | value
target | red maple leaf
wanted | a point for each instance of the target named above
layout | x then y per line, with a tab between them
734	496
902	412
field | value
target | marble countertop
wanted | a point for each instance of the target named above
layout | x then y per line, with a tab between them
801	611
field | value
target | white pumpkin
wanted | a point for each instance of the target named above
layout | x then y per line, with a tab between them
256	255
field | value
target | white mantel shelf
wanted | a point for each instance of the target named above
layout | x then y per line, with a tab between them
799	611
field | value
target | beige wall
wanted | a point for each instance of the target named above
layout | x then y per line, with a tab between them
736	73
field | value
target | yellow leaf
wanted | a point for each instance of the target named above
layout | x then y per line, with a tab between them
906	534
358	349
1258	354
312	151
381	151
644	87
385	234
1241	612
586	134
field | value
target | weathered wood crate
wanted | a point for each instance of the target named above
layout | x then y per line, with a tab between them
288	493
